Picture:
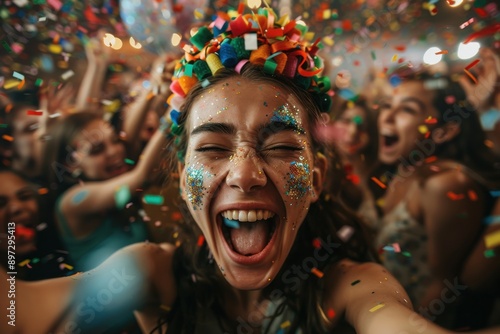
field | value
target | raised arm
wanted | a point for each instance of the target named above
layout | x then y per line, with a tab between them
93	80
85	200
131	279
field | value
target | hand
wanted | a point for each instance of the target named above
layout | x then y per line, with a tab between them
96	51
162	72
488	80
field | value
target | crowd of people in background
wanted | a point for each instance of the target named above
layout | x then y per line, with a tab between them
418	165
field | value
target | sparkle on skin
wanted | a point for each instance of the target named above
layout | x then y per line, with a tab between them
299	181
194	185
284	115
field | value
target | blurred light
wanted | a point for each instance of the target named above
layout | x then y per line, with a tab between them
454	3
176	39
337	61
117	44
253	4
108	40
469	50
134	44
430	56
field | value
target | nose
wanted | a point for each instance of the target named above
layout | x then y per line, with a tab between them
245	173
386	116
14	208
112	149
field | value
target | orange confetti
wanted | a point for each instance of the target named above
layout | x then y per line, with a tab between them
472	195
472	64
378	182
317	243
201	240
454	197
8	138
430	120
430	159
317	272
470	75
43	191
442	52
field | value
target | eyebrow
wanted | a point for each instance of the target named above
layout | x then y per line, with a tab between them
417	101
274	127
224	128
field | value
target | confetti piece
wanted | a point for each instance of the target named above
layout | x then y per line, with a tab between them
345	233
377	307
122	196
442	52
18	75
153	199
492	240
430	159
68	74
423	129
317	272
378	182
472	195
129	161
467	23
472	64
430	120
330	313
8	138
316	243
470	75
396	247
23	263
495	193
394	58
355	282
454	197
285	324
231	223
34	112
490	220
79	197
201	240
43	191
489	253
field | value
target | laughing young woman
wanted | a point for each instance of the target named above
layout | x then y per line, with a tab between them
265	249
434	205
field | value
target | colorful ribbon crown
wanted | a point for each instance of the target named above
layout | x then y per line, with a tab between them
279	45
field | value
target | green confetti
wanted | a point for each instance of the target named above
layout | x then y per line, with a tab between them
153	199
129	161
489	253
38	82
122	196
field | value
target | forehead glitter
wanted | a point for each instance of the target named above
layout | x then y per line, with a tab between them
299	181
284	115
194	185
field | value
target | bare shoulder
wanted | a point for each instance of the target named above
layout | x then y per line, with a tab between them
356	288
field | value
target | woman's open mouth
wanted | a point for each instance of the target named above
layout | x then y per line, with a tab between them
388	139
248	233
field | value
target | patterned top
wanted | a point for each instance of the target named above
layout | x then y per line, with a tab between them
402	244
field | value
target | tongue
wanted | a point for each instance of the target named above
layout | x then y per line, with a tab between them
250	238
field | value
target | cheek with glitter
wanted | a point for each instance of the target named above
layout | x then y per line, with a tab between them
195	190
299	180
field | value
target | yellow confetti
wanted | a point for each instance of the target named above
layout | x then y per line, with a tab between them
423	129
377	307
394	58
285	324
23	263
55	48
67	266
11	83
492	239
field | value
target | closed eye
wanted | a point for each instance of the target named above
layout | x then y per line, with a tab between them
211	149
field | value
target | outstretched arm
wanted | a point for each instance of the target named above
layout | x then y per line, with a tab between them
132	278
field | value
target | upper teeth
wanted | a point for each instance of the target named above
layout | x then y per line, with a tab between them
247	215
386	132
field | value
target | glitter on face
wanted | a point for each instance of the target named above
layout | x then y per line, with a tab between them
194	186
284	115
299	181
